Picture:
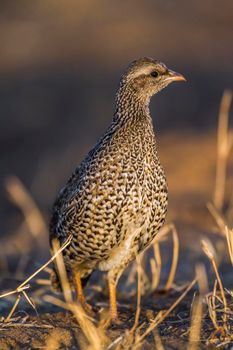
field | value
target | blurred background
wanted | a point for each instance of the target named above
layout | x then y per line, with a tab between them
60	64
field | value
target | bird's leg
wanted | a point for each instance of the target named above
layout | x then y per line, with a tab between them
112	297
79	290
113	317
113	277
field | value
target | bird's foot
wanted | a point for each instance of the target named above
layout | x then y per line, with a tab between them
116	321
110	320
87	308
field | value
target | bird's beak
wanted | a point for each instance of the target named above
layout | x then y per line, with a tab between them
173	76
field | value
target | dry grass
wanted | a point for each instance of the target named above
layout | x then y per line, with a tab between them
197	308
20	290
210	253
229	236
224	147
225	142
219	310
218	217
162	315
33	218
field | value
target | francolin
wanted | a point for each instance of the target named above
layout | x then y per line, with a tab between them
116	200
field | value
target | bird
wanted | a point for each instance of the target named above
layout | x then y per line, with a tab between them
115	202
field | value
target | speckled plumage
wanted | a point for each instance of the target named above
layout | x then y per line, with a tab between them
115	202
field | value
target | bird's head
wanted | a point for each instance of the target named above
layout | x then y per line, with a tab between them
146	76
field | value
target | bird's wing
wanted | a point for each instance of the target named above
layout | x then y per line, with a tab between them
94	183
70	199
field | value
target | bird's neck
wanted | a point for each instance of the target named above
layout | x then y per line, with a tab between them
131	108
133	124
132	121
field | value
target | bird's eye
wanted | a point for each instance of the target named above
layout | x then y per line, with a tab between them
154	74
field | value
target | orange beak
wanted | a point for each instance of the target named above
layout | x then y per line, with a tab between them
173	76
